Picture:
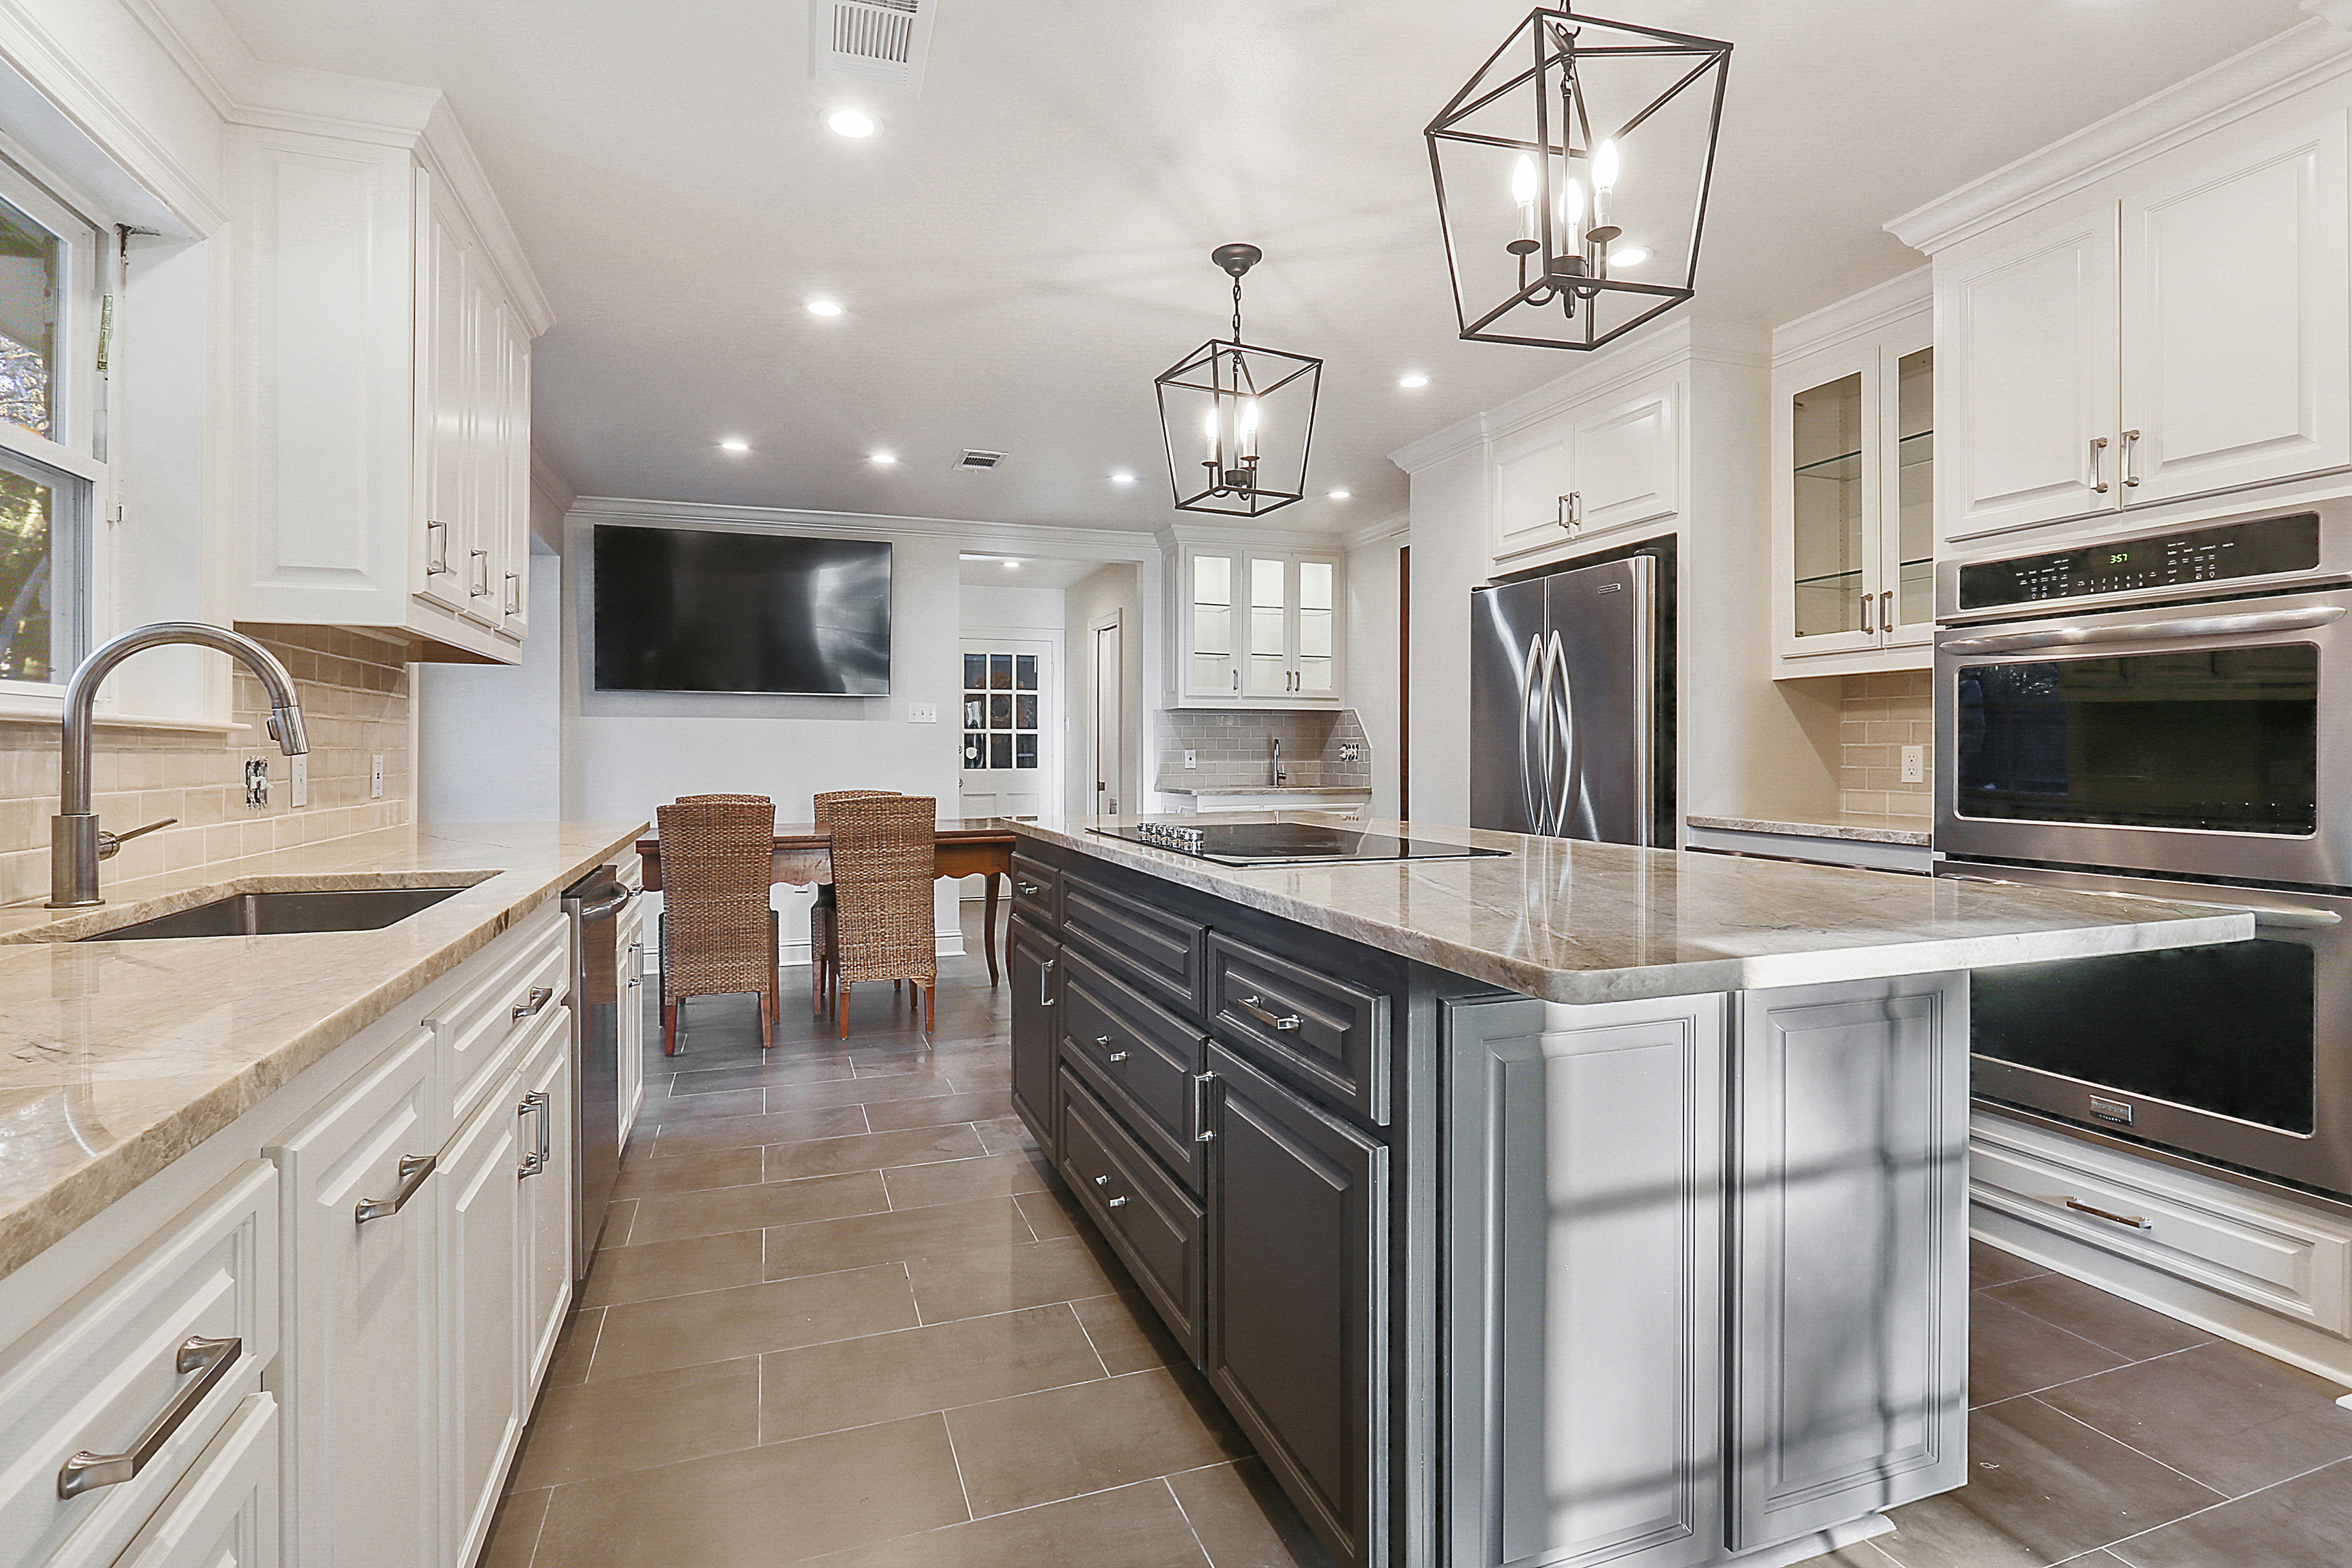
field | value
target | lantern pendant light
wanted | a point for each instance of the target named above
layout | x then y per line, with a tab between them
1602	136
1237	420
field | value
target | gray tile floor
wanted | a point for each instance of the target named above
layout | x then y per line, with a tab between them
841	1316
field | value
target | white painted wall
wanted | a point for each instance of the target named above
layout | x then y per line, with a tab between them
628	752
1449	559
489	736
1373	659
1037	609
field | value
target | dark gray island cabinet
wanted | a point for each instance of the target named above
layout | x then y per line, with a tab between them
1488	1280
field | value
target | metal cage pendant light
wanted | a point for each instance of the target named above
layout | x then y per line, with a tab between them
1238	420
1573	173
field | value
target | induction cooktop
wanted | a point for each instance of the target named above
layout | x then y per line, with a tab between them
1285	842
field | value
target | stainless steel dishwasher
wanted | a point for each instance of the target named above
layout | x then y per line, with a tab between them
592	905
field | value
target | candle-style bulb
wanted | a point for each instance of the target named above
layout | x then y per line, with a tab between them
1604	178
1571	217
1208	429
1246	430
1523	191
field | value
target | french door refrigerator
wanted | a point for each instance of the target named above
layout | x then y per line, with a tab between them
1563	727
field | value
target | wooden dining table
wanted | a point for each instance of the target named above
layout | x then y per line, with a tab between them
965	846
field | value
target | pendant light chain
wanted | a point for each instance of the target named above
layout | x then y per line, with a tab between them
1237	307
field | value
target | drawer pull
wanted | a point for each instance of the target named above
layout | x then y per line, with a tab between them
1026	889
1114	1203
2133	1220
1254	1006
541	996
414	1169
1202	1132
535	1162
1118	1056
1102	1181
1103	1040
211	1360
1046	983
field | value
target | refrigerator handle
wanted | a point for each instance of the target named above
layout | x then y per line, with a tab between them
1535	772
1560	715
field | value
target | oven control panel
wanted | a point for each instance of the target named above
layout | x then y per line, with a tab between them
2259	548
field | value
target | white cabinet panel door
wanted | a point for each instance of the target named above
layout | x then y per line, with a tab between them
481	1326
2237	356
547	1267
1626	462
1534	472
224	1513
447	327
2029	383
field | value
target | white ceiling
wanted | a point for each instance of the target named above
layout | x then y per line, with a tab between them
1026	243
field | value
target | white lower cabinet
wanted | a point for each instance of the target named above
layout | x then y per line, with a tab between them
545	1109
629	940
225	1511
482	1322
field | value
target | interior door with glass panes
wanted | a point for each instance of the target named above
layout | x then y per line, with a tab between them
1010	766
1833	473
1907	547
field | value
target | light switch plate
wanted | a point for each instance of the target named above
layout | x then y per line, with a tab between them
922	712
1914	764
375	776
301	786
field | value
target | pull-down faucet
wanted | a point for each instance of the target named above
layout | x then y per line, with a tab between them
76	845
1279	775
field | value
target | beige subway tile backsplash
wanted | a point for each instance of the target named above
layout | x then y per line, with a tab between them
1879	715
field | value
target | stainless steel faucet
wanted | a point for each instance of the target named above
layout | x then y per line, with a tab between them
1279	776
76	845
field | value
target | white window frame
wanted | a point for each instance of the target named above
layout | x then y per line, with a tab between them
73	463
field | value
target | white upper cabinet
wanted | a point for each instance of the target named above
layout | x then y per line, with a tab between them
1256	628
385	464
1612	463
2185	338
2237	364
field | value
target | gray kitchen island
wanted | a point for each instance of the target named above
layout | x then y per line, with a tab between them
1574	1204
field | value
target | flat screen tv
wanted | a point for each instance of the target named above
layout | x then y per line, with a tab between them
694	610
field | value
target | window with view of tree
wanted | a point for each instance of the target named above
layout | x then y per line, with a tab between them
48	311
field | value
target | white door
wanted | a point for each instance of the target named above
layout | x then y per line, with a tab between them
2027	382
2237	357
1109	779
1010	725
1627	461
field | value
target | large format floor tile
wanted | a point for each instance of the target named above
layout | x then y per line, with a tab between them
880	1377
2234	1420
1065	1442
2306	1522
721	1325
1138	1526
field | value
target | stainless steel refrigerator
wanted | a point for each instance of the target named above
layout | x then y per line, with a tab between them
1563	703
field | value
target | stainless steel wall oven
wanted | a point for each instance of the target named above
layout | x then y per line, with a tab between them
2167	715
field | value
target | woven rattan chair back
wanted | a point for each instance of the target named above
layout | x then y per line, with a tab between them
884	859
820	910
720	933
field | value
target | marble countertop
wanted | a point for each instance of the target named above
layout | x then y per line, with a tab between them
1860	826
117	1058
1578	922
1352	790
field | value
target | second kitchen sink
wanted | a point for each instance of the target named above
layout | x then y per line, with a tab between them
283	914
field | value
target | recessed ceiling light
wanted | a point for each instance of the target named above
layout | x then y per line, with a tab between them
854	124
1122	478
1338	495
733	445
883	459
1629	256
824	307
1012	566
1413	380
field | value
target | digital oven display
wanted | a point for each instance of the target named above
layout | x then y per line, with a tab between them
2255	549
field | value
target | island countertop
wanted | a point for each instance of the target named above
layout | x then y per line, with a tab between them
1572	921
120	1056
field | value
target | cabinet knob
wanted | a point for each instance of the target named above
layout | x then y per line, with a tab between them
1102	1181
1118	1056
1115	1204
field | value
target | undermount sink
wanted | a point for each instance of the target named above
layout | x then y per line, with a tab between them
283	914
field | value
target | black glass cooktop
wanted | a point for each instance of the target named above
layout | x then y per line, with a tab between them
1285	842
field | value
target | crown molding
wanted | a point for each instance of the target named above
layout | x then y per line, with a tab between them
1385	530
550	482
2275	69
1439	446
1243	537
2337	13
446	151
1877	307
1022	538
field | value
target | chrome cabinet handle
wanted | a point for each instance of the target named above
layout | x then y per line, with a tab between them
1114	1203
1237	679
1867	629
1102	1181
211	1360
1046	983
437	565
2133	1220
514	593
484	557
1117	1057
414	1169
535	1104
1103	1040
2131	447
2243	625
1202	1132
1887	610
2098	465
541	996
1570	513
1027	890
637	962
1253	1005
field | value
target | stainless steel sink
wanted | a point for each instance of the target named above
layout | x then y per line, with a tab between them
281	915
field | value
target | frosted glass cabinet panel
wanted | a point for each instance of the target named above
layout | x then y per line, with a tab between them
1259	630
1914	532
1211	664
1269	627
1827	477
1317	616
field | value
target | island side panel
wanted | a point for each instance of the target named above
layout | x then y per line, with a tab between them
1849	1220
1585	1246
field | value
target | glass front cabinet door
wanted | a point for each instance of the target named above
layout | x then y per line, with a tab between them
1260	630
1854	505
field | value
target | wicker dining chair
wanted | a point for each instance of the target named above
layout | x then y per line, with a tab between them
719	932
820	911
884	854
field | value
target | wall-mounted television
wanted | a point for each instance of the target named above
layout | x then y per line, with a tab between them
701	610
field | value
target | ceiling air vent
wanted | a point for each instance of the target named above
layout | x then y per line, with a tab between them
981	460
883	41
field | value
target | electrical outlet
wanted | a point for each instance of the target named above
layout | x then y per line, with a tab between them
299	784
375	776
256	783
1914	764
1350	752
1188	760
922	712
